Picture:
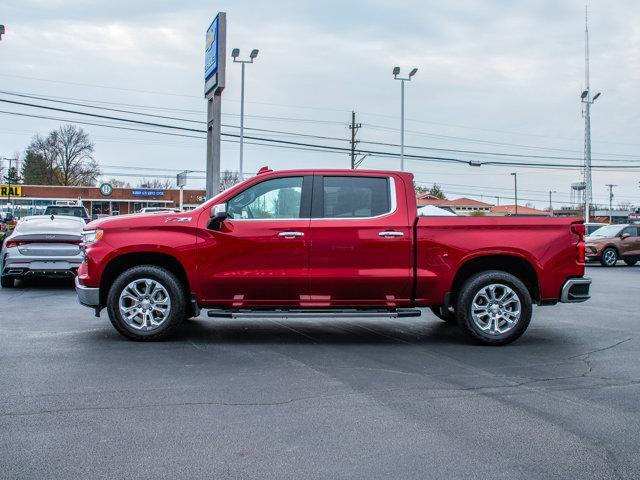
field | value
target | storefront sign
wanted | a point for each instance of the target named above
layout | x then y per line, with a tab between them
106	189
10	191
147	193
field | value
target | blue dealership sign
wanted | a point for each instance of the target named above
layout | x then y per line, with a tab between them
147	193
211	50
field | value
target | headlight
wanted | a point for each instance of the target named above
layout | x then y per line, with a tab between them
91	236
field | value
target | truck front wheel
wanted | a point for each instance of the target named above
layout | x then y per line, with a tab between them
494	307
146	303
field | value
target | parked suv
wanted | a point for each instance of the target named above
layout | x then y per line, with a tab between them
614	242
68	211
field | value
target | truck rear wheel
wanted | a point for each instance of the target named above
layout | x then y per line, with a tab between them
494	307
146	303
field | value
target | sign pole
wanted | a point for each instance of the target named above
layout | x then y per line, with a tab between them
214	121
214	77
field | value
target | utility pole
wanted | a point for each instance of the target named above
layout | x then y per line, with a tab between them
551	192
497	200
587	100
515	188
354	129
610	186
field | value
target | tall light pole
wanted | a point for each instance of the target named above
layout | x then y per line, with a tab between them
551	192
610	187
587	101
396	72
235	53
515	188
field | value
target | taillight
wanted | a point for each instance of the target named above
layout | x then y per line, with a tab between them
12	243
17	243
579	229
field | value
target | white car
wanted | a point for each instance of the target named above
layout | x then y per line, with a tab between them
42	246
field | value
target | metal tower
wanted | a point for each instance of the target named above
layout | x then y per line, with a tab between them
587	100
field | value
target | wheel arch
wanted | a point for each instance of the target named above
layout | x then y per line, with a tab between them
513	264
125	261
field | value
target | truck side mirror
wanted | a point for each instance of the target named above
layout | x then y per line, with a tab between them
218	215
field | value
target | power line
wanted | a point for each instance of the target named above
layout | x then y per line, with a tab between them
473	152
325	147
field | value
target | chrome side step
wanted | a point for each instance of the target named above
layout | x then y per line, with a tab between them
333	313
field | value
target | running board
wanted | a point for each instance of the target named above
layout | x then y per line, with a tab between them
397	313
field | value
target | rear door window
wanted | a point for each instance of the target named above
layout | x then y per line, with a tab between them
355	197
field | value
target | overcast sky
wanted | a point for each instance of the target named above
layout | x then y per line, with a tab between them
494	76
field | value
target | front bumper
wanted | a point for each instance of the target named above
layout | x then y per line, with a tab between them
575	290
88	296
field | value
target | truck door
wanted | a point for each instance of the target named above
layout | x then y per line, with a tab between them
260	255
361	239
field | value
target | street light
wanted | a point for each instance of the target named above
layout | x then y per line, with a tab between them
515	187
587	101
396	72
235	53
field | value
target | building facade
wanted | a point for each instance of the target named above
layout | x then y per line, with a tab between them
33	199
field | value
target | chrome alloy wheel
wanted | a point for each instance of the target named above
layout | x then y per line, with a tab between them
496	309
610	257
144	304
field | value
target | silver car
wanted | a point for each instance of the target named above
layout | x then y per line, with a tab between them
42	246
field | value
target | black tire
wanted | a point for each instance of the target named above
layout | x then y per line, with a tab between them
473	286
609	257
630	261
446	315
166	279
7	282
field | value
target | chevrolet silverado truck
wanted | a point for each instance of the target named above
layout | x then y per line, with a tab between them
343	243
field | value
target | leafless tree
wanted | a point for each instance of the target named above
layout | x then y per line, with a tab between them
66	155
160	184
117	183
228	179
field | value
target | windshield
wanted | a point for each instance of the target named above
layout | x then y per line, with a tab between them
66	211
607	231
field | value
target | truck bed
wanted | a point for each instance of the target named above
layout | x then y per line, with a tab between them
446	246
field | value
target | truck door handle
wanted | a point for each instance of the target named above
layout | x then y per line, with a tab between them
391	234
290	234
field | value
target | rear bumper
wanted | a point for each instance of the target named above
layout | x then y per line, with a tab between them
575	290
87	296
17	265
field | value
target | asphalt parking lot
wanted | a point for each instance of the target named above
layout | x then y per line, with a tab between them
304	399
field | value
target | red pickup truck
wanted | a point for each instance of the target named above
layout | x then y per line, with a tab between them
328	243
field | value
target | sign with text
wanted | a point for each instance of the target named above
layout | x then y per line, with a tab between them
147	193
211	49
10	191
215	47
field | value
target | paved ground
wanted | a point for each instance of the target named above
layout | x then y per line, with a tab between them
321	399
